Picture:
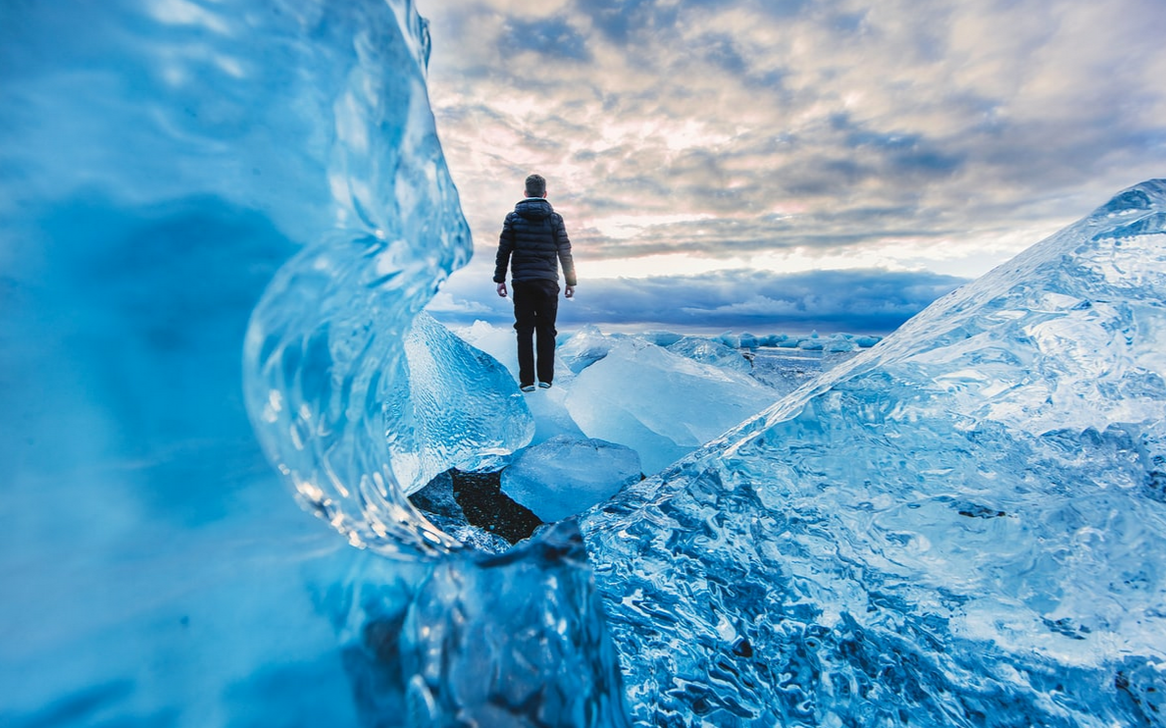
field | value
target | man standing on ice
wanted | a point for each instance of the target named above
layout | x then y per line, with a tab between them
533	243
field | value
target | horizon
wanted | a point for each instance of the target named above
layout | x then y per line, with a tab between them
833	165
567	330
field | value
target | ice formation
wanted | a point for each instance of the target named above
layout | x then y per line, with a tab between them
547	407
173	170
710	352
585	347
660	404
565	476
454	406
621	388
961	526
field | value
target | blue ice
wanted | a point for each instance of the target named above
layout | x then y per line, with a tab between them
219	222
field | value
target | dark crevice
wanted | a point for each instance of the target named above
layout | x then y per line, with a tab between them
478	501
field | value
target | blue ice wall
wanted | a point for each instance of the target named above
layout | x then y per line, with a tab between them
185	185
159	162
963	526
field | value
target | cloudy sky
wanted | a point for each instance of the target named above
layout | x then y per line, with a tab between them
781	165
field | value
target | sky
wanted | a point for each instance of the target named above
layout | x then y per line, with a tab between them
786	165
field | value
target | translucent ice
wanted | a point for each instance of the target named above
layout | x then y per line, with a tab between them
454	406
712	352
174	175
510	640
547	407
620	388
324	352
962	526
658	403
585	347
565	476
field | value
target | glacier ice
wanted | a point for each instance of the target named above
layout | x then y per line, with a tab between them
453	406
633	396
620	388
548	407
712	352
585	347
565	476
962	526
787	368
182	181
509	640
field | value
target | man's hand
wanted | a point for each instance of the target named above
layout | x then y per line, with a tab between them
569	292
502	290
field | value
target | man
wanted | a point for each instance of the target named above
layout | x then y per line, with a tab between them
534	243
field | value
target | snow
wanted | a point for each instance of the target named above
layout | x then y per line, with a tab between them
960	525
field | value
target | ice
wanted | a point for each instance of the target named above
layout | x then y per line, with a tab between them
707	351
660	404
564	476
620	388
547	407
962	526
176	175
660	338
813	340
509	640
585	347
438	501
454	407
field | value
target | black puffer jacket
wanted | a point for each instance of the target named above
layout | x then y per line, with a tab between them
533	242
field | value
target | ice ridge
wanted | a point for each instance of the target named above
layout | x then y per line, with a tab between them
962	526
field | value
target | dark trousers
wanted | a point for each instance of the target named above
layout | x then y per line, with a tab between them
536	304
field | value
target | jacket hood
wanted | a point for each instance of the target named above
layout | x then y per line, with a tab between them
534	208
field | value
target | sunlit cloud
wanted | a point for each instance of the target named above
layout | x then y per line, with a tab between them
688	137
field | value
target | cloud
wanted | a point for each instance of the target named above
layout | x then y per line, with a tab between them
854	301
444	303
554	37
738	130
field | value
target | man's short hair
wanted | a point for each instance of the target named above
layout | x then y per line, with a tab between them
536	186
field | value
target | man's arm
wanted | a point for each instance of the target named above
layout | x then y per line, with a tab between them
563	243
502	259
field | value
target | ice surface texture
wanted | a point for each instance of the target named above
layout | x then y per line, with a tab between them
564	476
623	389
962	526
512	640
660	404
170	171
457	407
710	352
158	162
324	353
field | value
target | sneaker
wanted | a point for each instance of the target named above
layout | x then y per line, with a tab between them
544	385
527	387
